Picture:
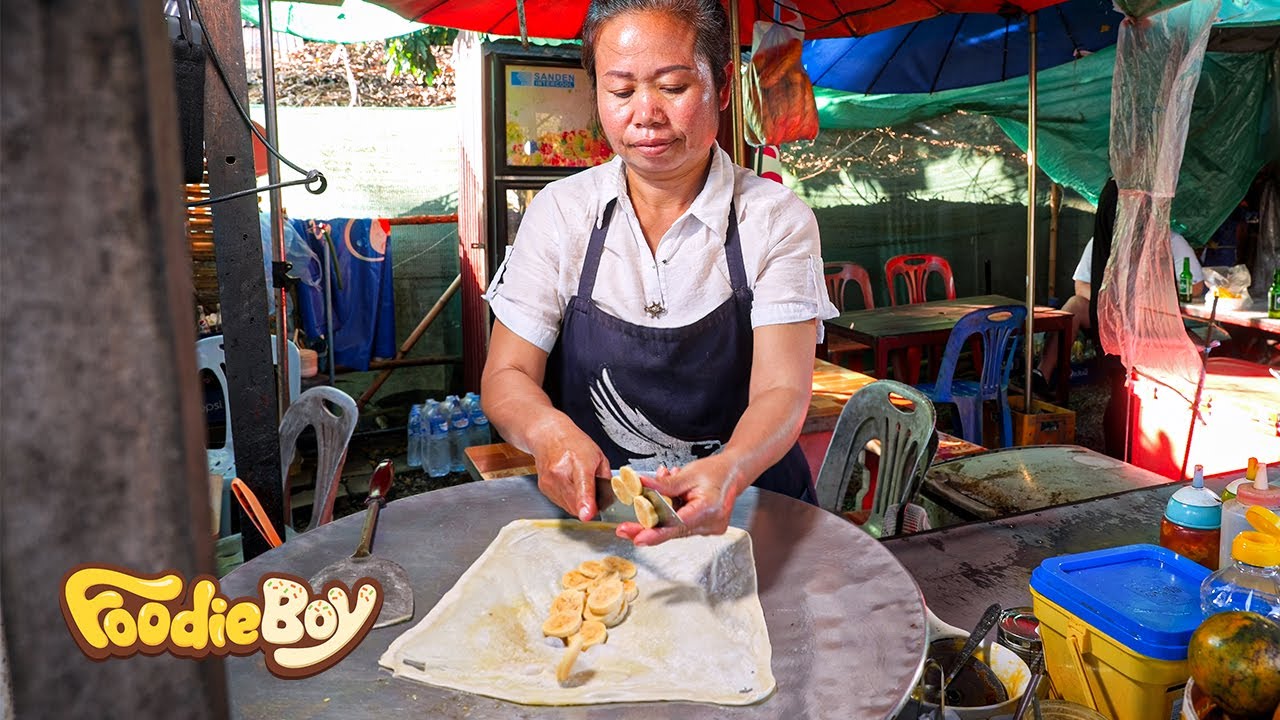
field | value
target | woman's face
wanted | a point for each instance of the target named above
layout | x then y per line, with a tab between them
657	101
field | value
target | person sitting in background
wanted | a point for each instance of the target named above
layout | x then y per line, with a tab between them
1092	263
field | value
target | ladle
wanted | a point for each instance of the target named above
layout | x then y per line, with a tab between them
984	674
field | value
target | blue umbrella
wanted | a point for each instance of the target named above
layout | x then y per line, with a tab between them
955	51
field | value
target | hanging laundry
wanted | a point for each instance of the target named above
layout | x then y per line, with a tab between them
364	324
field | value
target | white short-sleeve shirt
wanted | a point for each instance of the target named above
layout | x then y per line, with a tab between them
1181	249
689	273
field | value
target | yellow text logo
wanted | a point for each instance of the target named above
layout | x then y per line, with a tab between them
112	612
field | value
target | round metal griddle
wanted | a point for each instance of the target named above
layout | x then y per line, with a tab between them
845	619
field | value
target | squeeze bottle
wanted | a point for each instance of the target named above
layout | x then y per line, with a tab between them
1190	526
1259	492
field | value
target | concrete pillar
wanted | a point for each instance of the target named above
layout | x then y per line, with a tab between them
101	430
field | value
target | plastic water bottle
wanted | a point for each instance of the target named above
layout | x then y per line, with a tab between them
480	434
459	433
414	439
437	455
1251	582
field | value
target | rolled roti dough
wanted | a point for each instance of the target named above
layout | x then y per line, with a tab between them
696	632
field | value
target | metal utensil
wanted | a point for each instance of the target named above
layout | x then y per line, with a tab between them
980	631
610	510
397	593
1029	695
980	678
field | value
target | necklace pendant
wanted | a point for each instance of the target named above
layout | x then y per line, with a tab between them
655	310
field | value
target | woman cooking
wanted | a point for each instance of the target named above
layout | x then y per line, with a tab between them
660	310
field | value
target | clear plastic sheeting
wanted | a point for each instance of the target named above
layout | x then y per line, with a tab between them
1158	62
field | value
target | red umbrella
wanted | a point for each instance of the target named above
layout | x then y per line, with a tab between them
820	18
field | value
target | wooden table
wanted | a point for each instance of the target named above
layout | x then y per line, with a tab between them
925	324
832	388
1253	315
1004	482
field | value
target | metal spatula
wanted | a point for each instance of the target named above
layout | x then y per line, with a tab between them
397	601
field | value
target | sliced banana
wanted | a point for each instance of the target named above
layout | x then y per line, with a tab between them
608	619
593	632
573	580
630	483
605	599
645	514
593	568
594	583
621	491
570	601
624	567
562	624
630	591
569	658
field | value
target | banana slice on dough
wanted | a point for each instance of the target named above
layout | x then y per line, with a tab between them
645	514
569	658
609	620
630	482
562	624
593	632
630	591
624	567
593	568
594	583
570	601
574	580
606	598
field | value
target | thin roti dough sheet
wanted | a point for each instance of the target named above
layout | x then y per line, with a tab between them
696	632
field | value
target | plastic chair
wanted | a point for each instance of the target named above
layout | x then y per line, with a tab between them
333	433
915	270
211	356
998	327
838	275
908	442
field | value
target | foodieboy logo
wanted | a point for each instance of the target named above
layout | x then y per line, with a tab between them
112	612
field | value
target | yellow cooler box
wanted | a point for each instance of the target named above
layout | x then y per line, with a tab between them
1115	625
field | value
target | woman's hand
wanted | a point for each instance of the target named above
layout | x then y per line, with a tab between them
568	463
708	488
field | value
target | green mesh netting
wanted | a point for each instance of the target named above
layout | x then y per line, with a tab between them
1226	145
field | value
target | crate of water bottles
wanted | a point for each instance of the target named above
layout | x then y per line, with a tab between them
439	432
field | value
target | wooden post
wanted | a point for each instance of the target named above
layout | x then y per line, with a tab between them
102	434
1055	207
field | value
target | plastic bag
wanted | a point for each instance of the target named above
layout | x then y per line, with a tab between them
778	103
1229	284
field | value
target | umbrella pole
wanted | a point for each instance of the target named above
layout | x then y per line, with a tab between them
277	217
1029	333
735	106
273	176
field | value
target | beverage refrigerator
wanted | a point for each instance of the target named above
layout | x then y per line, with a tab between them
526	118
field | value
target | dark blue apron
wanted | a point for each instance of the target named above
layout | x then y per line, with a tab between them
662	396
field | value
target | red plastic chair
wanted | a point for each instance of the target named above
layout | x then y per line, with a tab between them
914	270
838	276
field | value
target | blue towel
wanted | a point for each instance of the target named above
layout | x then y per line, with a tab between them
364	318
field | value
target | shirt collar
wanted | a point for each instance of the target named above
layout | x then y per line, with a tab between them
710	206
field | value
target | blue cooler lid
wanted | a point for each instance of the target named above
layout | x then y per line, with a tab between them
1144	596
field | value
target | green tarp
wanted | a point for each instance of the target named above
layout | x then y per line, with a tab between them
351	22
1227	143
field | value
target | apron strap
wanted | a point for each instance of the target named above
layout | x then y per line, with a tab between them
733	254
595	248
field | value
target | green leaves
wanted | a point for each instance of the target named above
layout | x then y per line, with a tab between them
411	54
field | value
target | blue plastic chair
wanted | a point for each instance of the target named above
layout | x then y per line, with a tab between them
997	327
